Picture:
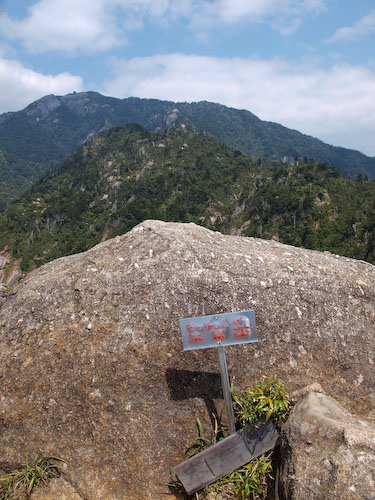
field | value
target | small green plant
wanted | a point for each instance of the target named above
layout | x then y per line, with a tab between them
175	484
18	484
267	400
203	441
250	481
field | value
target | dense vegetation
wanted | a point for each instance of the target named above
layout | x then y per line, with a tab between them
36	139
127	175
267	400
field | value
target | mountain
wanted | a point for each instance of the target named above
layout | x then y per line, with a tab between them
36	139
128	174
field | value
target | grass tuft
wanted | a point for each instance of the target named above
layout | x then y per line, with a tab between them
18	484
266	400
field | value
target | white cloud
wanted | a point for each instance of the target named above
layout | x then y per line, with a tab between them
284	15
19	85
336	104
64	25
86	25
365	26
100	25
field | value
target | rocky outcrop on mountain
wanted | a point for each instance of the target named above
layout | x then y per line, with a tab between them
9	270
91	361
327	452
43	107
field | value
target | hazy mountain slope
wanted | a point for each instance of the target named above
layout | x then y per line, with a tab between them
257	138
129	174
32	141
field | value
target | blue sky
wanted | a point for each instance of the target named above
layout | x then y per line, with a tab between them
307	64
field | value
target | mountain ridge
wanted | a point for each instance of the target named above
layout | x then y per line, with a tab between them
47	131
129	174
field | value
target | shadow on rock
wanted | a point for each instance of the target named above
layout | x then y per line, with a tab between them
186	384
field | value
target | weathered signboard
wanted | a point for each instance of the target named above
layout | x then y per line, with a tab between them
226	455
218	330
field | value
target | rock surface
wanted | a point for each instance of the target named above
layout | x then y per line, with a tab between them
91	361
9	270
55	489
327	453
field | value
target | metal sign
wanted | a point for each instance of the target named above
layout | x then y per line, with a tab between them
218	330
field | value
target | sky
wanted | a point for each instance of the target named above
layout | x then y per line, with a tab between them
307	64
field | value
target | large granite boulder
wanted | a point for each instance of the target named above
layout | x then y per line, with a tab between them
91	361
327	453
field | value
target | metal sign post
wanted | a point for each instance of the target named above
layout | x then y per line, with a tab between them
226	389
218	331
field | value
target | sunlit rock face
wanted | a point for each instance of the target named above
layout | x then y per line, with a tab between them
326	452
91	362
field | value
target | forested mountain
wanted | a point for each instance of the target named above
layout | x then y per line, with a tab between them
126	175
36	139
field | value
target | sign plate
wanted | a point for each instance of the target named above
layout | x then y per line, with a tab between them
218	330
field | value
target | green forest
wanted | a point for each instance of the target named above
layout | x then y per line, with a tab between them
38	138
126	175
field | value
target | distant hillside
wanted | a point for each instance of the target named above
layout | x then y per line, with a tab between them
36	139
127	175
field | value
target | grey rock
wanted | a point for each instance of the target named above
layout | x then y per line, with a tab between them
172	117
9	270
327	453
299	394
91	361
43	106
55	489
